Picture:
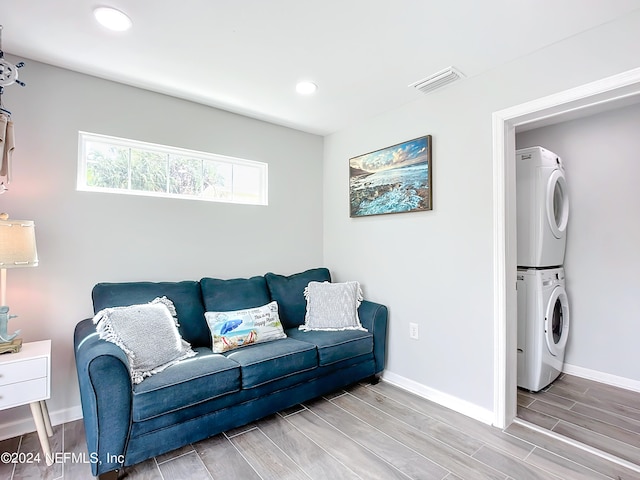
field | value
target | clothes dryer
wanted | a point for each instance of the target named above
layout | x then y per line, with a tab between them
543	326
542	208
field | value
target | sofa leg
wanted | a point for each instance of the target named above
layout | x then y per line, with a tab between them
112	475
374	379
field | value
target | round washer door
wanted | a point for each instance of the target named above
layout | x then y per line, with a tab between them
556	321
557	203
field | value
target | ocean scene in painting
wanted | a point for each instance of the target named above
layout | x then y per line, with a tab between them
392	180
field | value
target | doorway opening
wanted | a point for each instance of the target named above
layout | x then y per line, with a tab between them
606	94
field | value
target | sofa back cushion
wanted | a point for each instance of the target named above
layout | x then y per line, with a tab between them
234	294
288	291
185	296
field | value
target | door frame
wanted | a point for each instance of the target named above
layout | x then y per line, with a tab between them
611	92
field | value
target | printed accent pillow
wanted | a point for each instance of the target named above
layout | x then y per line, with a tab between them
239	328
147	333
332	306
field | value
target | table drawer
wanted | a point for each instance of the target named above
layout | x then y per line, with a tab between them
22	371
23	392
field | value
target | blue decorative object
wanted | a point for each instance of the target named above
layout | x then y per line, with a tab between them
4	321
229	325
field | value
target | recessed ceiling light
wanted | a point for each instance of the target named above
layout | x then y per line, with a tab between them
112	19
306	88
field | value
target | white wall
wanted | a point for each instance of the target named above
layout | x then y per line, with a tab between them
436	268
84	238
601	154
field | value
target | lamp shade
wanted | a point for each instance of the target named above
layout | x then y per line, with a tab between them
17	244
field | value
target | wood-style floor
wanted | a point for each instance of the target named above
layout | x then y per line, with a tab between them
602	416
367	432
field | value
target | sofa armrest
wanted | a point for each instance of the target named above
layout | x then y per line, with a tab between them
374	317
106	397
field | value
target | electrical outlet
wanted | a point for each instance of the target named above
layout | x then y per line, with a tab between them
413	331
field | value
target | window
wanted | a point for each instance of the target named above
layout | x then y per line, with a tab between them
117	165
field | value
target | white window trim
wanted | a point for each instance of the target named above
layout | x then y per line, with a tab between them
81	183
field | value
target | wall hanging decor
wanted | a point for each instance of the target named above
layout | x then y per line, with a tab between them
395	179
8	76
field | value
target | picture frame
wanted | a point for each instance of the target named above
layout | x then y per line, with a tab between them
395	179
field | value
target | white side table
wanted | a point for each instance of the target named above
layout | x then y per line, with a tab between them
25	377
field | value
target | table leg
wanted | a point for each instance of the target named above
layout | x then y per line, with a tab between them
38	418
47	419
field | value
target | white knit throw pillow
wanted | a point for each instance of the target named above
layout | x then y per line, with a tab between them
332	306
147	333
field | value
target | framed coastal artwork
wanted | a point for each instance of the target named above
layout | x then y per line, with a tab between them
395	179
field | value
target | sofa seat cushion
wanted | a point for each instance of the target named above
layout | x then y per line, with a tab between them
265	362
198	379
335	346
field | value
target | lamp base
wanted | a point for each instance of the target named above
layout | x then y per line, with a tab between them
13	346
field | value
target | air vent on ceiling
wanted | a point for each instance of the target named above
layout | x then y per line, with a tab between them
437	80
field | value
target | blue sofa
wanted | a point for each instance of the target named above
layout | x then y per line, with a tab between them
210	393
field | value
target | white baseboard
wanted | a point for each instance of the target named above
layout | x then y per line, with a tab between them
24	425
462	406
602	377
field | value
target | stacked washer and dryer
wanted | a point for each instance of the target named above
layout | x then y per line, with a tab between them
543	308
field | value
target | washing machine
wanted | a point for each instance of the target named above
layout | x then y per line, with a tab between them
542	208
543	326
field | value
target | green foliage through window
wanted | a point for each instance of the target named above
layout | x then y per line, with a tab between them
119	165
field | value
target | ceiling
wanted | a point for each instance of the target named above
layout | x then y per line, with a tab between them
246	56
